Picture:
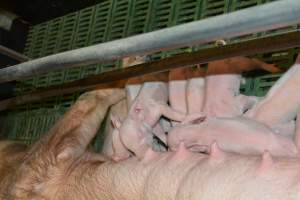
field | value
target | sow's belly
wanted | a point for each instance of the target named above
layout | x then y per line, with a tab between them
184	175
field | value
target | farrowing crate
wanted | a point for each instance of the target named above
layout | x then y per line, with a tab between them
110	20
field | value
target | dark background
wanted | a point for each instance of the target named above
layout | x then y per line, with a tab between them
37	11
30	12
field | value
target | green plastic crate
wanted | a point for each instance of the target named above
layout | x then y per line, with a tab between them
99	28
214	7
67	32
99	32
139	18
284	59
39	36
29	41
247	87
282	30
243	4
264	83
161	16
185	11
83	29
80	39
119	21
52	37
28	126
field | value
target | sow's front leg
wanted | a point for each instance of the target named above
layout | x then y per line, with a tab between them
47	171
282	101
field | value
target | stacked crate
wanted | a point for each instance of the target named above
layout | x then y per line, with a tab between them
111	20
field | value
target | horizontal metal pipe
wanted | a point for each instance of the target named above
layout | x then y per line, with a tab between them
269	16
247	48
13	54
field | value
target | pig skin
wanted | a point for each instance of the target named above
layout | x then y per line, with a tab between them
284	95
46	170
186	92
134	85
136	131
287	129
238	135
11	155
222	85
118	110
178	90
60	167
195	90
180	175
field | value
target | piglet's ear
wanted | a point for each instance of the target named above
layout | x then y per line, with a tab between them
115	121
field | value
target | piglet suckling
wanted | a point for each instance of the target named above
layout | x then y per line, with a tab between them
60	166
239	135
282	102
136	132
222	86
112	146
134	85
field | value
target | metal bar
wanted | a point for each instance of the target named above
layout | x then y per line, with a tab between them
13	54
248	48
269	16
